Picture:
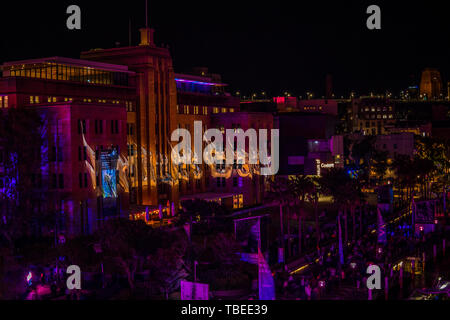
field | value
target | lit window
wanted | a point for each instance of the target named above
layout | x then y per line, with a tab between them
31	99
215	110
54	99
195	109
205	110
224	110
231	109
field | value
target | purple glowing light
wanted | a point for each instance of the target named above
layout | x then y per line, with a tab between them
199	82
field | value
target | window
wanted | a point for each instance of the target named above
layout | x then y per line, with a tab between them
130	129
195	109
186	109
54	181
205	111
395	146
215	110
130	150
224	110
61	181
98	126
231	109
114	126
235	181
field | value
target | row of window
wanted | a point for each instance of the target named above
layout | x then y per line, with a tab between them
237	182
69	73
204	110
378	116
373	109
98	126
50	99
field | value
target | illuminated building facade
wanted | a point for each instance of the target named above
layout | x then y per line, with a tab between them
166	101
83	108
200	97
244	182
430	84
151	117
371	115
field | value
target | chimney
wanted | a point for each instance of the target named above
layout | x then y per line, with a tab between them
147	37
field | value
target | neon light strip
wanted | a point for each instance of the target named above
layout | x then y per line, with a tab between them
199	82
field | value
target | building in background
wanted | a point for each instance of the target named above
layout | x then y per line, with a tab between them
371	115
84	177
308	144
431	84
152	116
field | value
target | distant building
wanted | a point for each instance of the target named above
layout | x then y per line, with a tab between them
431	84
308	144
371	115
328	106
396	144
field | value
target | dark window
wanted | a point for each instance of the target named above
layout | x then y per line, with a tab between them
54	181
235	182
85	180
61	181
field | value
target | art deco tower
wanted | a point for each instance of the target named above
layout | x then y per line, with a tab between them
431	84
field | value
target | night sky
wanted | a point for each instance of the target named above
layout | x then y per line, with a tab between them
272	46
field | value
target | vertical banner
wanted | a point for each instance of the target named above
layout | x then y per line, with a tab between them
265	279
341	249
381	227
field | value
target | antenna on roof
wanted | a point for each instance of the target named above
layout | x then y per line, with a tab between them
146	13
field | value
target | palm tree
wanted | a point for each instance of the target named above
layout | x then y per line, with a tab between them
279	193
380	164
313	197
337	183
300	186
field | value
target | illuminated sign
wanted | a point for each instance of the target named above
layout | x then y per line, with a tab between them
327	165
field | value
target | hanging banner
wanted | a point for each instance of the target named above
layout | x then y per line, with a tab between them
381	227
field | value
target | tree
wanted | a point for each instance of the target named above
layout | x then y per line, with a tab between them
337	183
380	164
21	145
301	187
167	267
279	193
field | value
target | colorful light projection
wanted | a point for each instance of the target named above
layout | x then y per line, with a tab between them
108	173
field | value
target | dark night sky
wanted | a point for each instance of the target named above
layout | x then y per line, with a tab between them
272	46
